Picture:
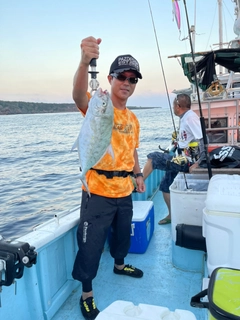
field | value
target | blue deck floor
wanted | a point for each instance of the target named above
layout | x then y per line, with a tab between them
162	284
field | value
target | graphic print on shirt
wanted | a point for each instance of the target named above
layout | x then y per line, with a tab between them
128	128
183	136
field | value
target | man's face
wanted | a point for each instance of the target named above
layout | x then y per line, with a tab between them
176	108
122	88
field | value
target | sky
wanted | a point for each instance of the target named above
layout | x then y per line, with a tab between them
40	44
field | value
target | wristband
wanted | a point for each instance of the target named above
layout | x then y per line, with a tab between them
138	175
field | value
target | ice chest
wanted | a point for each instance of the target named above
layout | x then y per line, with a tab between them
142	226
221	222
123	310
223	295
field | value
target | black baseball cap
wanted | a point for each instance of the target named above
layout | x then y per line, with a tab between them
124	63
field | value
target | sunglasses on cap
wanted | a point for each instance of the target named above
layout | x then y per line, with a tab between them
123	78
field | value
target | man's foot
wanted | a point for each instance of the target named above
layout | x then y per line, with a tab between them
88	308
129	270
165	221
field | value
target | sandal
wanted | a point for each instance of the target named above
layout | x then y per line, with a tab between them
164	221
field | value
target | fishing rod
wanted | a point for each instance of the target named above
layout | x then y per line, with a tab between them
164	78
205	141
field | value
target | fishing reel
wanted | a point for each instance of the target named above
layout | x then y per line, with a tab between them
180	160
14	256
193	150
174	137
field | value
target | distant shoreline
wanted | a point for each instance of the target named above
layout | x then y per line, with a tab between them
20	107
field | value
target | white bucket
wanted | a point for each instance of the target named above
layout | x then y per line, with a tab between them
187	194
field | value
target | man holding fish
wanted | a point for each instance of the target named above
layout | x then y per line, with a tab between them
107	183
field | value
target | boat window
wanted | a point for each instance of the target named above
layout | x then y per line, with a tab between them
216	135
236	84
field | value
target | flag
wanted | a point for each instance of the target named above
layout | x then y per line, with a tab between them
176	12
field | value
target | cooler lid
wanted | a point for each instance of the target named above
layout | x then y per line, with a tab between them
223	193
141	210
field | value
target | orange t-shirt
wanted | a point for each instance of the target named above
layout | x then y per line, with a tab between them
124	141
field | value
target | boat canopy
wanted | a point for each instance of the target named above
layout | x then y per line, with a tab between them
206	62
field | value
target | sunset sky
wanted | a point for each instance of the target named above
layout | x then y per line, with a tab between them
40	44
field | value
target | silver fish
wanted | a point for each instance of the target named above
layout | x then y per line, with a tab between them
95	134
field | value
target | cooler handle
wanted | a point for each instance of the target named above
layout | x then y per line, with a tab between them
195	300
132	229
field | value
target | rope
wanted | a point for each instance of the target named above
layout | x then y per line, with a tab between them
216	88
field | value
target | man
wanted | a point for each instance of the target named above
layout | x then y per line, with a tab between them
189	130
110	203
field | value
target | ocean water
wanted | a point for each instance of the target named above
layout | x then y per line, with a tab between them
38	171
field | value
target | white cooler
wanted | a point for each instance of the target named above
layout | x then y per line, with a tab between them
221	222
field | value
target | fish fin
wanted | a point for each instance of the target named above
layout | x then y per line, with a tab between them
110	151
75	145
84	182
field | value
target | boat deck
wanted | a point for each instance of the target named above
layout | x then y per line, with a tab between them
162	283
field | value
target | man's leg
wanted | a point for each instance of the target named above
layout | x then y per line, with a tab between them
91	235
164	187
156	160
167	219
120	240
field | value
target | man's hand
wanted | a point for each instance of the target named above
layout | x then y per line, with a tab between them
140	185
90	49
194	166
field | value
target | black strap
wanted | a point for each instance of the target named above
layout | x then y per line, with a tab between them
111	174
195	301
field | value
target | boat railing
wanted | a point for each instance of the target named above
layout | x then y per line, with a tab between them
222	119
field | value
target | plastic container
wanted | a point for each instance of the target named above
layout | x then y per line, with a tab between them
188	193
224	193
221	222
122	310
142	226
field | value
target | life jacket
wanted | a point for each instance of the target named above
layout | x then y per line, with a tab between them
224	157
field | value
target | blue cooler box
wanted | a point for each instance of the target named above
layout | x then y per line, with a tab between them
142	226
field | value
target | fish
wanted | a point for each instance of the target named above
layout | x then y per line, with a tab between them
94	139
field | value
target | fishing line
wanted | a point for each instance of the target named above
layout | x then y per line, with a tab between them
164	78
198	95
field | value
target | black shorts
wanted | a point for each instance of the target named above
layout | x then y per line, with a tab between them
162	161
